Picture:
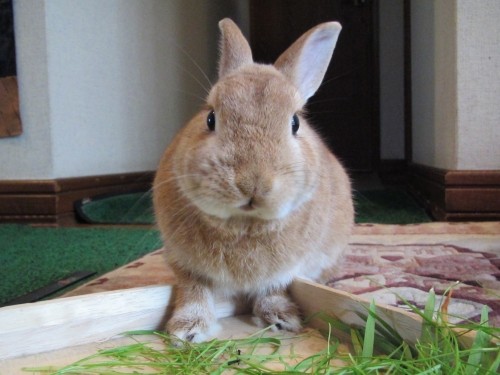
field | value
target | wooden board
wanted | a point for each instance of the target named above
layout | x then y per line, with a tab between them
233	327
61	323
10	119
29	331
314	298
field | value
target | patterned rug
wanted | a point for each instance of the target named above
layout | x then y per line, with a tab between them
385	262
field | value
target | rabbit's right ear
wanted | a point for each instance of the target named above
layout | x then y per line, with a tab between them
234	48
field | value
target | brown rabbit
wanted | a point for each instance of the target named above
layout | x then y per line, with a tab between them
247	196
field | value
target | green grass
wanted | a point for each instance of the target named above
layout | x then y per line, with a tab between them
376	349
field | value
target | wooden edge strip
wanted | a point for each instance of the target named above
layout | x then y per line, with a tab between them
50	325
313	298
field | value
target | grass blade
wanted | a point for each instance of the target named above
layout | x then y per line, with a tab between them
480	341
369	339
430	305
356	341
495	365
428	325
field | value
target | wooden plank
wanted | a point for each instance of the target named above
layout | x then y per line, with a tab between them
65	322
295	347
465	200
33	204
313	298
478	178
63	185
28	187
55	324
51	325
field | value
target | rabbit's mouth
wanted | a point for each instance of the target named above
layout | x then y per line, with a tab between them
257	207
250	206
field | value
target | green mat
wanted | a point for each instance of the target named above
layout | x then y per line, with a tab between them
131	208
387	206
31	258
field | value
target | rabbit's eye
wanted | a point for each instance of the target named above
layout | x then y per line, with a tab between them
295	124
211	121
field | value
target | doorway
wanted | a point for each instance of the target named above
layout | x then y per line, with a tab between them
345	109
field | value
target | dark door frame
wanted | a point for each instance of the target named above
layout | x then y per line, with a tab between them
407	82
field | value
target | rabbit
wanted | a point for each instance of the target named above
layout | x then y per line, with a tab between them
247	196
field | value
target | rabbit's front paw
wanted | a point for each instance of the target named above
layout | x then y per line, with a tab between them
191	327
277	311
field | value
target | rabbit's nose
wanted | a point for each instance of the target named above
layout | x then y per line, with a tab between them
254	186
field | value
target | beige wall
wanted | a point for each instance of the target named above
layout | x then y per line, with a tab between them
433	42
105	84
478	84
456	83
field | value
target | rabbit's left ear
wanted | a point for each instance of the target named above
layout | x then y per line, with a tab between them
234	48
305	62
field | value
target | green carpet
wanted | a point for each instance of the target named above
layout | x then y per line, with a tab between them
387	206
132	208
31	258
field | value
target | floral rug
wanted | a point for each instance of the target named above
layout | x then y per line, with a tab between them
385	262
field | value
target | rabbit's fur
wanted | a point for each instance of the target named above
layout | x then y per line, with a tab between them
249	205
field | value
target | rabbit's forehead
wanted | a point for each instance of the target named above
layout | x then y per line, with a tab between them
263	90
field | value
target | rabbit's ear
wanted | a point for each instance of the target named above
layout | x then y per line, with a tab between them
305	62
234	49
